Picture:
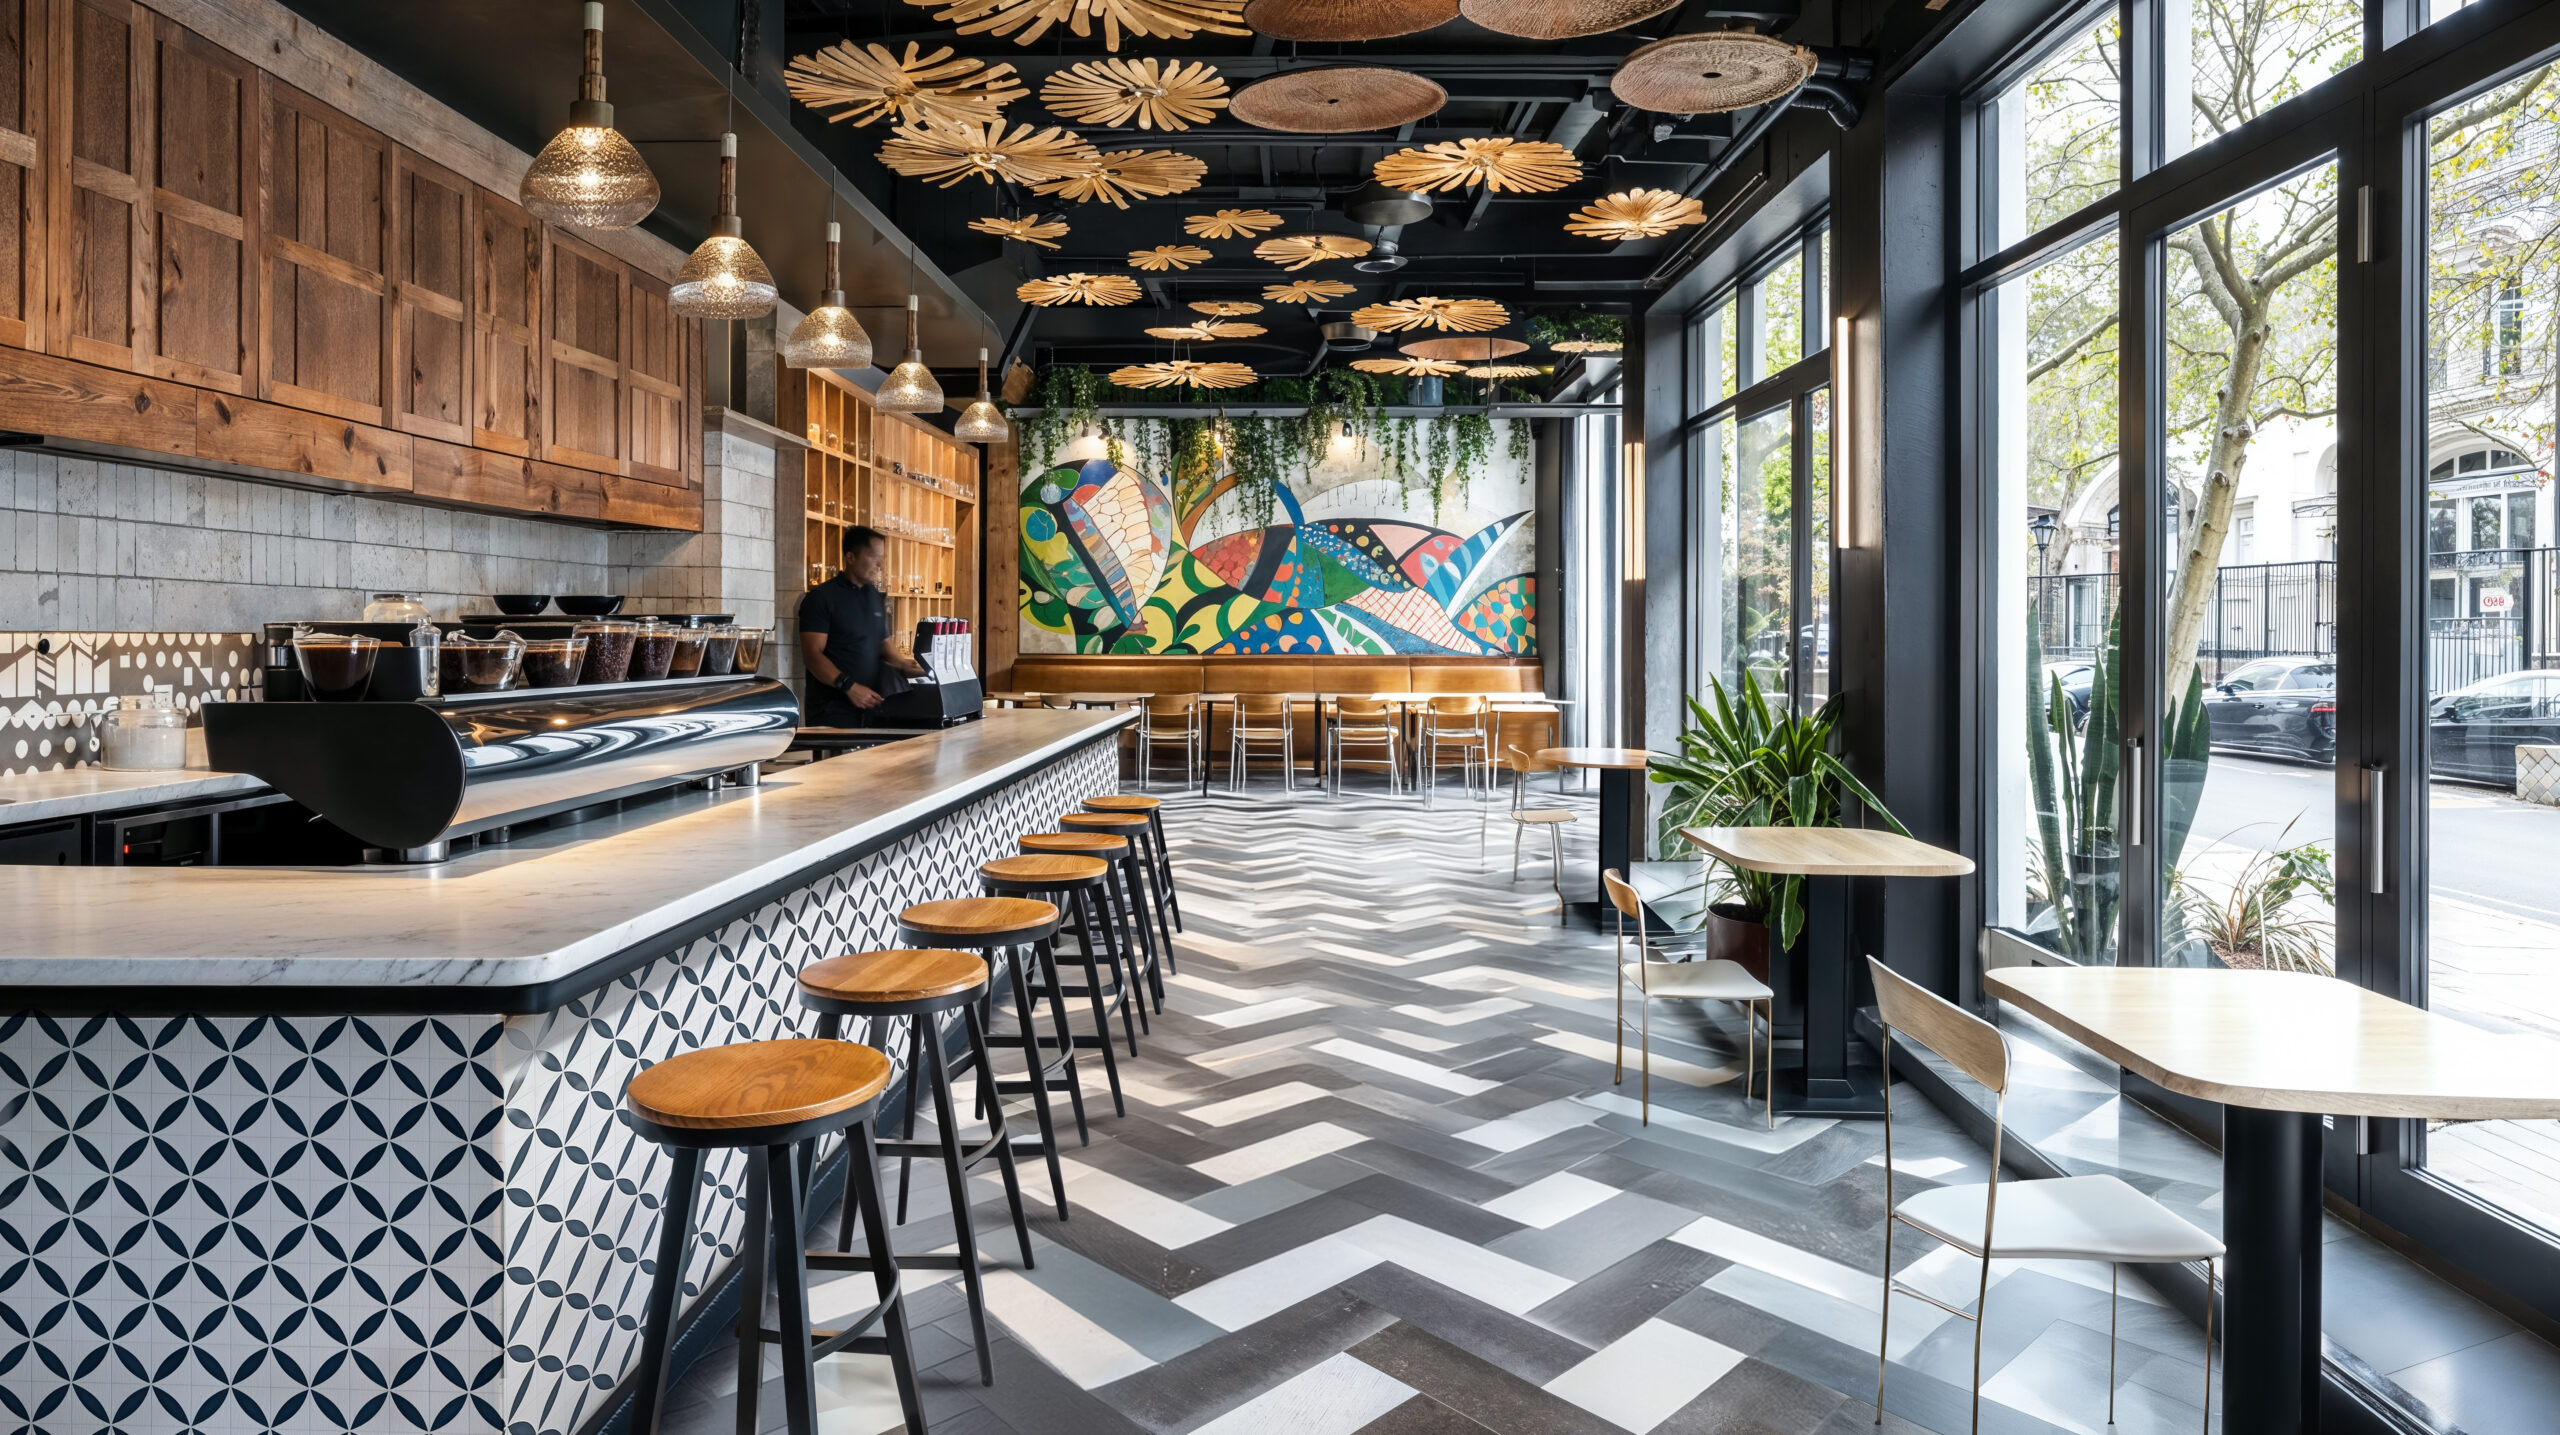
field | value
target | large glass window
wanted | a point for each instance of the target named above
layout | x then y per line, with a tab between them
2056	136
1760	526
2245	57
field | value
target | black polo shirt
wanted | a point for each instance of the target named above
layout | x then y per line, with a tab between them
856	622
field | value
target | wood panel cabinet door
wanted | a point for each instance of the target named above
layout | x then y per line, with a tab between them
589	315
24	65
506	326
431	253
656	380
100	133
204	167
325	281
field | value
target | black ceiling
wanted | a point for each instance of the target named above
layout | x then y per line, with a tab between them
511	66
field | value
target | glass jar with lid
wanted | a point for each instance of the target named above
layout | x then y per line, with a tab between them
395	608
145	733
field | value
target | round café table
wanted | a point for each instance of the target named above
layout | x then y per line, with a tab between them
1621	814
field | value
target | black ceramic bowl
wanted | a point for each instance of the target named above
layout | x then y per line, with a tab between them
591	605
520	605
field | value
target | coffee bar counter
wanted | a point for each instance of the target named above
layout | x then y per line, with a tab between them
365	1120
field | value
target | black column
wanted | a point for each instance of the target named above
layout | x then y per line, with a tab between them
2271	1222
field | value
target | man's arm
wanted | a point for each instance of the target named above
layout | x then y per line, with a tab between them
895	654
813	656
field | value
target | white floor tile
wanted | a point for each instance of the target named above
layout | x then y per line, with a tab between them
1289	1148
1334	1398
1258	1103
1473	1011
1637	1381
1548	1200
1665	1068
1750	1248
1471	1270
1076	1347
1135	1209
1527	1128
1398	1064
1260	1012
1232	1302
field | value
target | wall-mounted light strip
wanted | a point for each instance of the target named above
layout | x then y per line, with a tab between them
1631	514
1842	472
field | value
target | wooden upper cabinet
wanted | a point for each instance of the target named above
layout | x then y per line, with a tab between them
431	255
202	199
506	326
98	300
325	280
657	380
589	312
24	63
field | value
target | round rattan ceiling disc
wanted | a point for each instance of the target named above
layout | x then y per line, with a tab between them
1558	19
1474	349
1710	73
1337	99
1349	19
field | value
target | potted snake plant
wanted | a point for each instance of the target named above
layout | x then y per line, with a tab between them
1752	762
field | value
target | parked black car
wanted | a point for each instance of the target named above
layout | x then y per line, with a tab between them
2283	707
2473	732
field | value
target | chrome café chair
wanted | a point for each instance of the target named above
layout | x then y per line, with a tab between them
1454	722
1170	720
1524	817
1706	979
1262	719
1367	724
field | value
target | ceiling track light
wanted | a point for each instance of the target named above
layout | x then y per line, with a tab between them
830	337
725	278
910	388
589	175
980	422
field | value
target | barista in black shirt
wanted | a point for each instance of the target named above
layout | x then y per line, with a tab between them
845	643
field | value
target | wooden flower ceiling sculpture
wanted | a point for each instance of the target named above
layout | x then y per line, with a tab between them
1586	346
1635	214
1162	19
1029	229
1151	94
1230	224
1464	316
1306	291
867	82
1225	308
1206	330
1198	374
1502	371
1122	175
947	154
1499	163
1168	256
1079	288
1297	251
1408	368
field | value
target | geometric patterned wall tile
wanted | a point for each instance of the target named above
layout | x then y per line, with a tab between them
51	702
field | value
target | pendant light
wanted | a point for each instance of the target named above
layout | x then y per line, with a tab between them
589	175
979	422
725	278
830	337
910	389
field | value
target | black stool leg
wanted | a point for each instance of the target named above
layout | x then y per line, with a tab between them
791	1275
884	1273
1102	1022
675	1235
754	1253
964	1224
916	1023
996	1131
1135	896
1142	887
1046	952
1124	990
1164	865
1030	1043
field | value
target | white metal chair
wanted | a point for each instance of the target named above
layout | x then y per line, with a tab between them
1262	718
1708	979
1165	720
1364	723
1454	722
2086	1218
1524	817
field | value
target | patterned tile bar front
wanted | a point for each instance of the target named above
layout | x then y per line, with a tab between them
384	1222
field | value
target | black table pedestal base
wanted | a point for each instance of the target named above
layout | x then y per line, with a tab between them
1857	1093
2271	1304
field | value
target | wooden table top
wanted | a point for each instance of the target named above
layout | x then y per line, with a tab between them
1621	758
1828	851
1108	698
2289	1041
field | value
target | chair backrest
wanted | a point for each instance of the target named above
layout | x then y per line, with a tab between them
1622	896
1456	706
1056	700
1172	704
1974	1046
1262	705
1523	760
1363	708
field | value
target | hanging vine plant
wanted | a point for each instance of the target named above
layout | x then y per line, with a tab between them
1471	437
1070	397
1255	455
1520	452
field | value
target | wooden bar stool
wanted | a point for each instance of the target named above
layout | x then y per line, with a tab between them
1120	905
1163	855
769	1097
996	928
1075	886
1155	936
924	986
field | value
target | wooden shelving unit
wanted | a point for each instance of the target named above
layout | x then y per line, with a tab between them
913	482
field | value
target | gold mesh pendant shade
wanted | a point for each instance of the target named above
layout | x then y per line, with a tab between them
1345	20
1712	72
725	278
910	388
1337	99
980	422
829	337
589	175
1560	19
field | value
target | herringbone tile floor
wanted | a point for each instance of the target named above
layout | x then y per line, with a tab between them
1376	1177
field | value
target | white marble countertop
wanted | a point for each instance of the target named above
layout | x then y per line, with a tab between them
538	910
71	791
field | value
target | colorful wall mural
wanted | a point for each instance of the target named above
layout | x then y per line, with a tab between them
1113	563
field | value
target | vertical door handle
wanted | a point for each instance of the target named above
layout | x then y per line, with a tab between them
2377	790
2129	793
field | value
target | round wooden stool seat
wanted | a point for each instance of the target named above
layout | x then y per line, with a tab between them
1040	871
1105	821
905	977
749	1091
1122	802
1082	844
991	921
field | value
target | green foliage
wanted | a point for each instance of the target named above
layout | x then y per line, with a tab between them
1548	328
1070	397
2253	922
1751	763
1470	443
